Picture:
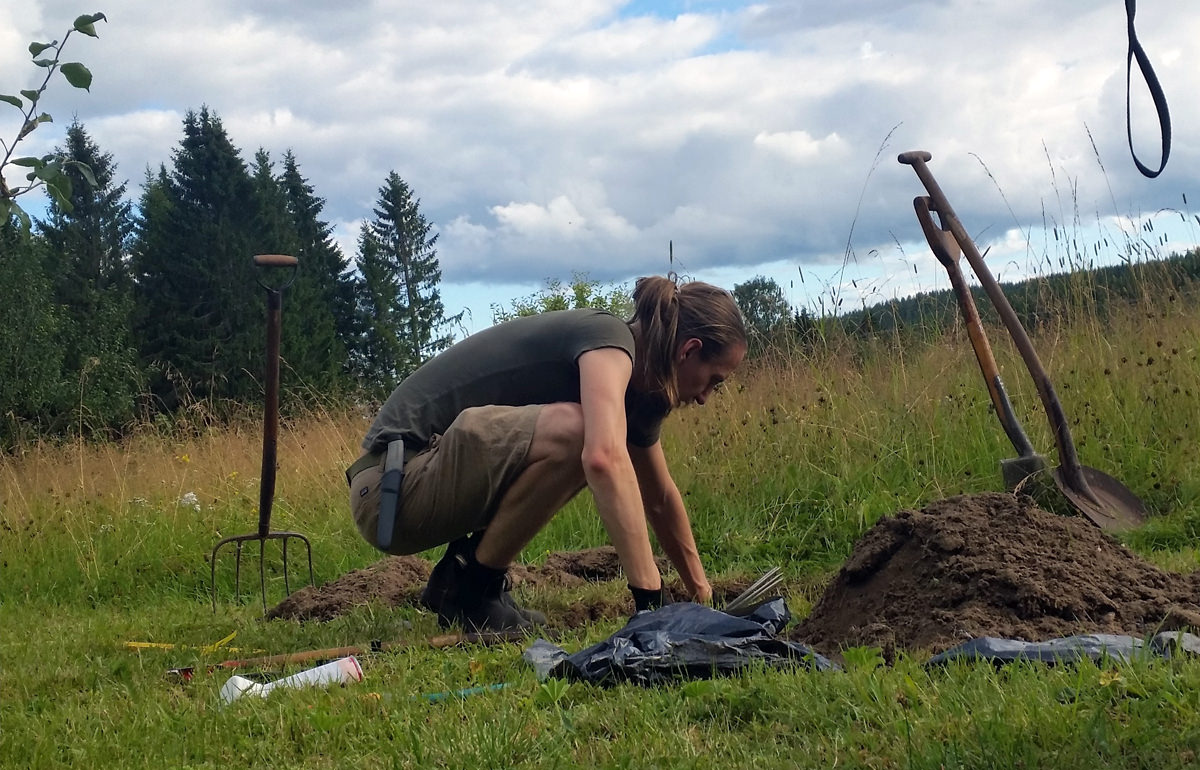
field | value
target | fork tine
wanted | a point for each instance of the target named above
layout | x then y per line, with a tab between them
262	571
237	572
287	589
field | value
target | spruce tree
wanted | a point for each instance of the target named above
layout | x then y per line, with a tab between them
199	309
272	220
322	298
307	327
376	354
400	273
87	258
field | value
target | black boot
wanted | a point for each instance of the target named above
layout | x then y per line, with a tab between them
443	578
533	616
477	601
458	582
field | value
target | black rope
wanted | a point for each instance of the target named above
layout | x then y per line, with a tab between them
1160	100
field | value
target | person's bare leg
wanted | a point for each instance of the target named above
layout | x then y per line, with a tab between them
553	476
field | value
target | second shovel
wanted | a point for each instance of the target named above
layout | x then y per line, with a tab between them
1027	465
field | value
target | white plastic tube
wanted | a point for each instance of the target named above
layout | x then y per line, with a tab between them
340	671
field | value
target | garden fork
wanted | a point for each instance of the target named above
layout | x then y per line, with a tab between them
270	439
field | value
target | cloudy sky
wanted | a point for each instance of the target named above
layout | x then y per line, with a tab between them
547	137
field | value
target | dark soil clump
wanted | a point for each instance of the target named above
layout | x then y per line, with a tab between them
992	565
393	581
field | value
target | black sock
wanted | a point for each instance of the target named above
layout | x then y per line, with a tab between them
646	598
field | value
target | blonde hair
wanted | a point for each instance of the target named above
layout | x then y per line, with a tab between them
668	312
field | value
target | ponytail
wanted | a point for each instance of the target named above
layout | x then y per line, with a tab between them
656	313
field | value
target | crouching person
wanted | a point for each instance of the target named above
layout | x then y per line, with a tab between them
493	436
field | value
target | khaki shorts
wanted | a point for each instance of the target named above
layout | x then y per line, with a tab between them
452	487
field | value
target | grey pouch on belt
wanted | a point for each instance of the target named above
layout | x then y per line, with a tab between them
389	493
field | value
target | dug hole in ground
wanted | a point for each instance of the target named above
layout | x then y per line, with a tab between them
917	581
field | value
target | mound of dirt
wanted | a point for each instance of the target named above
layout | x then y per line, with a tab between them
992	565
393	581
397	581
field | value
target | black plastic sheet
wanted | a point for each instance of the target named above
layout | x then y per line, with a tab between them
681	641
691	641
1071	649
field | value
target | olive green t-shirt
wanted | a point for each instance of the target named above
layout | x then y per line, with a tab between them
530	360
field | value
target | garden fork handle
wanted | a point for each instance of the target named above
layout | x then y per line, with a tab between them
266	494
1058	420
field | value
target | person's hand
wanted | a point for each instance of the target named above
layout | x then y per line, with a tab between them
703	593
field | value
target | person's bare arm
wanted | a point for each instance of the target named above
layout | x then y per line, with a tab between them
603	377
668	517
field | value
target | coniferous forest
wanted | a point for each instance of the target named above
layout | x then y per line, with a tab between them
113	312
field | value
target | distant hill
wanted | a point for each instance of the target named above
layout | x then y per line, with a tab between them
1035	300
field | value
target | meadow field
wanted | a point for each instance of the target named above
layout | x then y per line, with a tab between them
102	544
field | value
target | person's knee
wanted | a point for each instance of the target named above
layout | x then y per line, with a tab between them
558	435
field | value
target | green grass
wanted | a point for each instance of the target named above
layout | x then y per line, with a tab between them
788	467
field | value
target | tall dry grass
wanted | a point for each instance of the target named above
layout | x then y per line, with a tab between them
45	479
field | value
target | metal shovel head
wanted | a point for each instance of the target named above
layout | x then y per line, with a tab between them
1110	506
1020	472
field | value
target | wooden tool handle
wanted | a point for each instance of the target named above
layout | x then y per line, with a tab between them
330	653
275	260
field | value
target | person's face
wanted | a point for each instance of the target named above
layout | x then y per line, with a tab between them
697	378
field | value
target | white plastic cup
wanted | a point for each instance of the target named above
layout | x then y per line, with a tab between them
340	671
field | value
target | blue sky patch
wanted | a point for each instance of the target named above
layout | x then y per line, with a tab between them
669	9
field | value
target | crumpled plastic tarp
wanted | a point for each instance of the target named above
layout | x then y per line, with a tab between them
691	641
1071	649
680	641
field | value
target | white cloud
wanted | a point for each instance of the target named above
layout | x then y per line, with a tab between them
548	136
559	219
799	146
627	45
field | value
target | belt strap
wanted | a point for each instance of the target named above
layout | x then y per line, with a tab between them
362	463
